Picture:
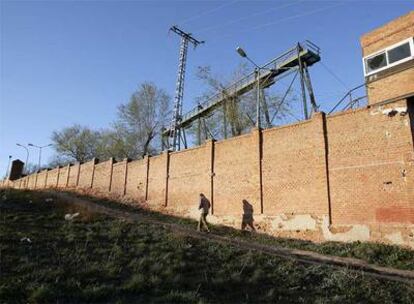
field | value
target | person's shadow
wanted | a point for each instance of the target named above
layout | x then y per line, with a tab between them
247	219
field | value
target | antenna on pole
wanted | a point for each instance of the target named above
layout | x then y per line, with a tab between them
176	134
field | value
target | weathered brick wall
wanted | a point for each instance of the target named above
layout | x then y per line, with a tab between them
118	177
394	31
32	181
86	174
52	178
63	176
157	179
392	86
41	179
102	176
236	174
349	176
294	169
74	171
25	181
137	178
369	166
189	175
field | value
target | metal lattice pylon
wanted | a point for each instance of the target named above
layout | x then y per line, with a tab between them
176	134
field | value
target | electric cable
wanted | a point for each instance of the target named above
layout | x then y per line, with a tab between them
215	27
207	12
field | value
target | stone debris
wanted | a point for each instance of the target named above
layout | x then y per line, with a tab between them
25	239
70	217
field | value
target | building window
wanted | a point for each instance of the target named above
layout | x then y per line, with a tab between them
389	57
376	62
398	53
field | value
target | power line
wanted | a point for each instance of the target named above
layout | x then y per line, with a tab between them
216	38
337	78
295	16
249	17
208	12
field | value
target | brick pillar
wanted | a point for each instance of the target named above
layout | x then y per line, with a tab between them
166	154
110	173
147	161
94	162
35	183
126	160
320	117
47	173
78	174
67	176
210	151
257	139
57	178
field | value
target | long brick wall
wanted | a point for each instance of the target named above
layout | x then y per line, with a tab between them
344	177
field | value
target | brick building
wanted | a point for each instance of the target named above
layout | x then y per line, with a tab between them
389	60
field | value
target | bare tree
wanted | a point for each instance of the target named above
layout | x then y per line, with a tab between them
143	117
238	113
77	143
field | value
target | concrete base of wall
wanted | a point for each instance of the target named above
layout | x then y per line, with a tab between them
312	228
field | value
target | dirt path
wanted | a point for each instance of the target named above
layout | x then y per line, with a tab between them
308	257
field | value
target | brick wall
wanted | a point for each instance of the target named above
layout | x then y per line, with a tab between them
52	178
74	171
294	169
136	182
32	181
189	175
236	174
394	31
41	180
86	174
369	164
157	179
119	177
102	176
63	176
354	169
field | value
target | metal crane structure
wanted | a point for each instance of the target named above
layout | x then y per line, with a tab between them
296	59
175	134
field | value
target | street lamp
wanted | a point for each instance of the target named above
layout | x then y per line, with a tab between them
27	157
243	54
40	152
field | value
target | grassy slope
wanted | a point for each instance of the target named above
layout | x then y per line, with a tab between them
379	254
99	259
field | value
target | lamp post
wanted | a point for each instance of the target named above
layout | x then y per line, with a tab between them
243	54
8	167
27	157
40	152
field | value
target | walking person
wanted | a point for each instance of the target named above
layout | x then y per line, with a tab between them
204	207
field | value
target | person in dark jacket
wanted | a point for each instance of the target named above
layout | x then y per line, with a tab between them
204	207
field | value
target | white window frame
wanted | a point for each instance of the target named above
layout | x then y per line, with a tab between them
388	65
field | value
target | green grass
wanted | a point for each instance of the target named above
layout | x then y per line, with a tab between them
375	253
100	259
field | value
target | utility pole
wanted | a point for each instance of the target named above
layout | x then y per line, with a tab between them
176	133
